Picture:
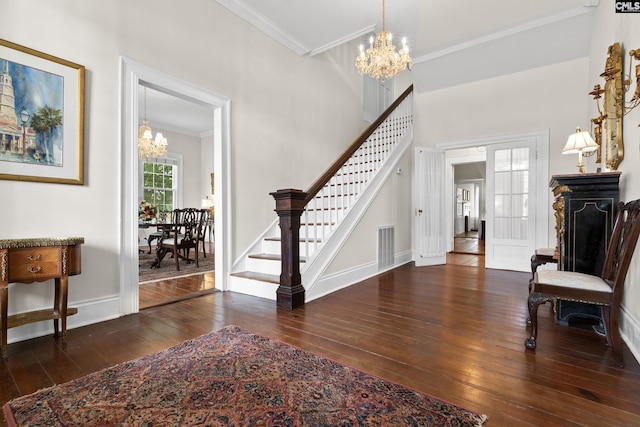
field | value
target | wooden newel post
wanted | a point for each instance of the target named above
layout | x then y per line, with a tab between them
289	207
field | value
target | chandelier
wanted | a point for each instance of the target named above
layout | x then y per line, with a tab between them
380	60
148	146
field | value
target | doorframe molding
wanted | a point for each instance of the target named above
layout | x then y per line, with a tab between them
542	195
131	74
450	162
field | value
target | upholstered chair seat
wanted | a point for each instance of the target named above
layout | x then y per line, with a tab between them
605	290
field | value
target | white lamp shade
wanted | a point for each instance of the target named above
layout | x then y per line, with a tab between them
160	139
207	203
579	141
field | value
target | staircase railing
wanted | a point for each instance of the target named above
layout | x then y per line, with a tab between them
328	199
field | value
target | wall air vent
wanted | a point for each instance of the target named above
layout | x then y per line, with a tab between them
386	250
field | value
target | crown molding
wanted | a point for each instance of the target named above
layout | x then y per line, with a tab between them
360	33
528	26
246	12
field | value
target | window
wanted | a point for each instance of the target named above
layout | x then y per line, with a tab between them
159	182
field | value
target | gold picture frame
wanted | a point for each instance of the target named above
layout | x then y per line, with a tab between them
42	135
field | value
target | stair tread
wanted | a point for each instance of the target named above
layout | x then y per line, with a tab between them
271	278
272	257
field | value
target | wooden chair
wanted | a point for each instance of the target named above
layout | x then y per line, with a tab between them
203	223
157	235
605	291
540	257
179	238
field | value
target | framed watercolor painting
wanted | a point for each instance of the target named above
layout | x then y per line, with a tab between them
41	116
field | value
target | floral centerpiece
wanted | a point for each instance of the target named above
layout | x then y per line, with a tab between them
147	210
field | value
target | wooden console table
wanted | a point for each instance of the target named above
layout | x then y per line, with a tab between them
37	260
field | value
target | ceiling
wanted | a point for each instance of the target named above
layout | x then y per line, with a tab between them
451	42
171	113
312	26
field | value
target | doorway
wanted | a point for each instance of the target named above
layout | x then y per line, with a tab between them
178	178
469	215
132	74
497	252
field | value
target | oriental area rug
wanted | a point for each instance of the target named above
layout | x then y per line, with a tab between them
167	269
233	378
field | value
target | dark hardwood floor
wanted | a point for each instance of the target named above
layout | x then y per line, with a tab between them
176	289
468	243
455	332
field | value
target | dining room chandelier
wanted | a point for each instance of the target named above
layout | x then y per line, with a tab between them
380	60
148	146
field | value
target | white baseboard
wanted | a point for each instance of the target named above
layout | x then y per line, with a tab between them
630	332
336	281
89	312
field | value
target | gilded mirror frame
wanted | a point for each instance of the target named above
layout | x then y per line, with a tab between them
613	108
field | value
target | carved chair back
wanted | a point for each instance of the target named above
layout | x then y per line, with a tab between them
203	221
188	228
623	242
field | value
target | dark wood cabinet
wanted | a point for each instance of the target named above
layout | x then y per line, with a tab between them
585	208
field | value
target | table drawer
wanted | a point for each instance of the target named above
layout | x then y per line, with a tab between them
32	264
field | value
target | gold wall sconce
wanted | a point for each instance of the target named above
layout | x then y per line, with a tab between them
635	99
608	124
607	127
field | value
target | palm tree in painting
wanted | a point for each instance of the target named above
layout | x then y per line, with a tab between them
45	121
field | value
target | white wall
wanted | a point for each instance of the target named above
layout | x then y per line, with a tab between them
392	207
290	117
624	28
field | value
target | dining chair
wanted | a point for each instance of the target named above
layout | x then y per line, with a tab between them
605	290
156	235
203	223
179	238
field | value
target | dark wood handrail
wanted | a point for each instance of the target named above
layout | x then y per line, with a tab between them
331	171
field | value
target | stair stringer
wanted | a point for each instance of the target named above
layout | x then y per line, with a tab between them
317	264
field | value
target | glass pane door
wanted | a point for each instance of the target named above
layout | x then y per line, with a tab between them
511	215
511	207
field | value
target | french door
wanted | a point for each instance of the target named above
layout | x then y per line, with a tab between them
511	205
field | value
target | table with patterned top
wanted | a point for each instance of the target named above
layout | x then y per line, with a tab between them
38	260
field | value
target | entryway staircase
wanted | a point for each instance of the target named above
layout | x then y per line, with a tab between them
333	206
